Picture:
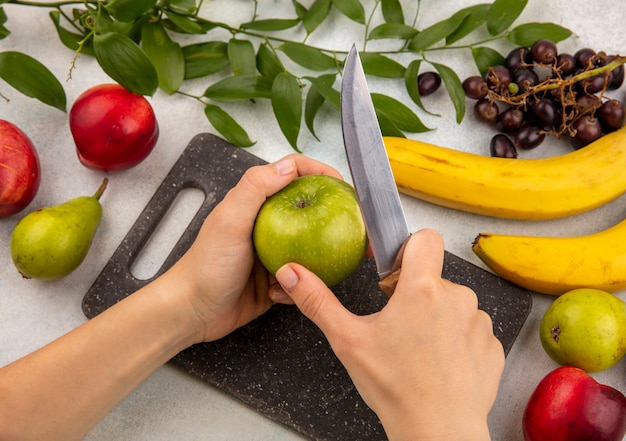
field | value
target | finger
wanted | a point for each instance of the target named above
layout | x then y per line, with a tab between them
313	298
423	254
422	262
278	295
308	166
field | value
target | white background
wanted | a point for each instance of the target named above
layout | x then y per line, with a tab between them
170	404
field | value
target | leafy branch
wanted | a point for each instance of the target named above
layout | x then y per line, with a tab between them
135	43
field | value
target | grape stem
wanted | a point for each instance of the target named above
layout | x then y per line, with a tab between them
558	82
564	85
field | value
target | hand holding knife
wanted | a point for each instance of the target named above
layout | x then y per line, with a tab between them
372	177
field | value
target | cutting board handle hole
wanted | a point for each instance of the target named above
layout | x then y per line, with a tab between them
167	233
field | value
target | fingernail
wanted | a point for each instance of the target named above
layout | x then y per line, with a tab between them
285	166
278	295
287	278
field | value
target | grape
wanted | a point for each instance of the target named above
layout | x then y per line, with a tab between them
582	57
544	52
616	78
545	109
475	87
566	64
502	147
529	137
513	89
517	58
611	115
587	103
486	110
428	83
525	78
592	84
588	129
498	78
510	120
538	91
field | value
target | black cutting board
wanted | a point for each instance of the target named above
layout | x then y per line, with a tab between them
281	365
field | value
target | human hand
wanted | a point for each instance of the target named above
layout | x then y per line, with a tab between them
428	363
229	286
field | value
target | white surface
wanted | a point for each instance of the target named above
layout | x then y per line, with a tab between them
171	404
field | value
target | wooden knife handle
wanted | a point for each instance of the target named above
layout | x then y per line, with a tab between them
388	284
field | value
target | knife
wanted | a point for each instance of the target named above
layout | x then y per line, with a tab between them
372	177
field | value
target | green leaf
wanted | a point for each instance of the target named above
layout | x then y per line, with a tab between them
241	56
166	56
353	9
503	13
392	11
32	78
393	30
240	87
476	16
381	66
106	23
485	57
325	87
307	56
124	61
287	106
129	10
410	82
314	101
388	127
437	32
203	59
300	9
316	15
276	24
267	62
186	24
185	7
454	87
312	105
70	39
4	31
398	113
527	34
227	126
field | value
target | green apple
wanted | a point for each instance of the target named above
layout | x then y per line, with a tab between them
315	221
585	328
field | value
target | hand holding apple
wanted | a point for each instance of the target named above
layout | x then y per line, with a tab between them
229	285
428	362
19	169
569	405
113	129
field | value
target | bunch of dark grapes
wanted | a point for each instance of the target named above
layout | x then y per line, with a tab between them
539	91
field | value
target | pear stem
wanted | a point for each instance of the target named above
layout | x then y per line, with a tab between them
101	189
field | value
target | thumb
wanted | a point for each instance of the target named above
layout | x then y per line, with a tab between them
313	298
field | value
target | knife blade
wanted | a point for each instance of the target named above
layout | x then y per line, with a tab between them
372	177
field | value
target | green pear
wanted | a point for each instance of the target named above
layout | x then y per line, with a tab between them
585	328
51	242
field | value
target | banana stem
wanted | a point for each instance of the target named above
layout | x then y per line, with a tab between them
101	189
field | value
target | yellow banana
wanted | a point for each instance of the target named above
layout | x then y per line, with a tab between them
555	265
543	188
